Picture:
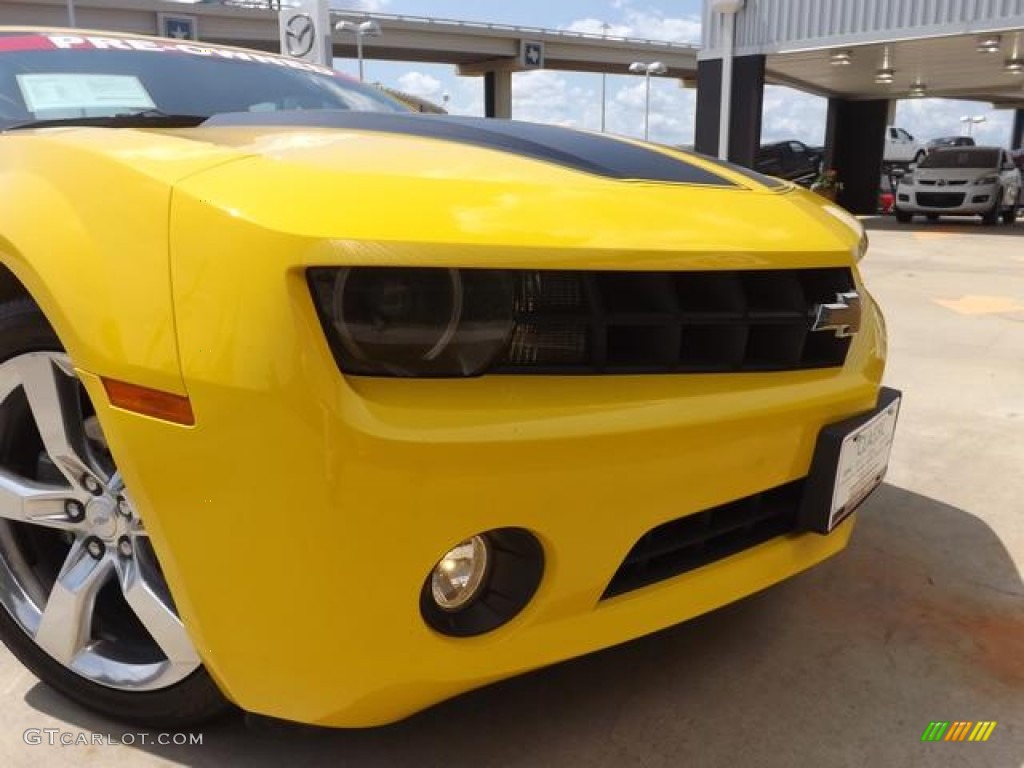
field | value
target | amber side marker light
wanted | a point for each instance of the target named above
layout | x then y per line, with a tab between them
150	402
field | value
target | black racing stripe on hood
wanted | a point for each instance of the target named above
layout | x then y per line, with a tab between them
587	152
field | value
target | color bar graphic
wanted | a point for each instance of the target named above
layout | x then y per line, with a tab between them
958	730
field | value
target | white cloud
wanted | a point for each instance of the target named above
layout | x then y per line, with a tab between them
420	84
368	6
646	23
546	96
792	114
930	118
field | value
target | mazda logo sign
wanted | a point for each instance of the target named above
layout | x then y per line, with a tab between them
300	35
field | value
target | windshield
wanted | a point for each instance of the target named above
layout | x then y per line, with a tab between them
962	158
49	76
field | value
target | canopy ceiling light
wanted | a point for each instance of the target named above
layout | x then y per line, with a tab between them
1015	66
917	90
885	74
841	58
989	44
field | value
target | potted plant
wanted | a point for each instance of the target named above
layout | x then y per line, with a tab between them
827	184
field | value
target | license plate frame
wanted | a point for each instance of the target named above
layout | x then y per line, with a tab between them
850	461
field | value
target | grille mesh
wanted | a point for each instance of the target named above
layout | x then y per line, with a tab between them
702	538
672	322
940	199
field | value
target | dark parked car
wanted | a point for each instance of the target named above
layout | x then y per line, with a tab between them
950	141
792	160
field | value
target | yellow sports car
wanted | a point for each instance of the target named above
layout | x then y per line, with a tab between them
329	411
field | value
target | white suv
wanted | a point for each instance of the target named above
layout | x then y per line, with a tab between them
901	147
961	181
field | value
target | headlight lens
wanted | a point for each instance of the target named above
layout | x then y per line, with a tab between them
415	321
987	180
907	179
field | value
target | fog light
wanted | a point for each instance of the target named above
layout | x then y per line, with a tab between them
460	574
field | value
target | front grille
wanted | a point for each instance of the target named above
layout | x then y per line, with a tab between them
940	199
926	183
704	537
673	322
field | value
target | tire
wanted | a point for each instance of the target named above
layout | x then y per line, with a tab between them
903	217
1010	214
82	607
933	217
991	217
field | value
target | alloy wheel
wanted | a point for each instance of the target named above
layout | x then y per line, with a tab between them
77	571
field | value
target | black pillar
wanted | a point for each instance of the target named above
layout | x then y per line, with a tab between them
1018	129
745	112
709	105
745	106
855	135
489	94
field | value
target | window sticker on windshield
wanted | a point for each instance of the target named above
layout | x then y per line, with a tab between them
66	91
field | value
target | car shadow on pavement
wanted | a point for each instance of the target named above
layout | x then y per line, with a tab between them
920	619
946	225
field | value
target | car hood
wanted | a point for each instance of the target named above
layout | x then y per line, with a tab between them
408	178
953	174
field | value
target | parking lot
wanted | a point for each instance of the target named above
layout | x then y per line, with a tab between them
921	619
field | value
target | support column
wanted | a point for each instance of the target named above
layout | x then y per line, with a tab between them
890	112
855	135
1018	129
498	93
709	105
744	112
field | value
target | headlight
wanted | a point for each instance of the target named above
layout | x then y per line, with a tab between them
415	321
429	321
907	179
987	180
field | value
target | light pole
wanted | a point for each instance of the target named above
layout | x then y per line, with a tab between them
368	28
604	77
969	122
641	68
71	13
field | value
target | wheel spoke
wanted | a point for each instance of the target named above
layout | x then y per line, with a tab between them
156	615
28	502
54	401
66	623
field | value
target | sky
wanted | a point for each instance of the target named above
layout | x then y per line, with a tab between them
574	99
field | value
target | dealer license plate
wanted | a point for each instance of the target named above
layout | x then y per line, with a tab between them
863	459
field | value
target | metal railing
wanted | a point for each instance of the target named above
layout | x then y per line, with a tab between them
276	5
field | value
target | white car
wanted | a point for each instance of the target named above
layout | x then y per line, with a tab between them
901	147
961	181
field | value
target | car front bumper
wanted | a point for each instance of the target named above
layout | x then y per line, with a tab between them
968	200
298	519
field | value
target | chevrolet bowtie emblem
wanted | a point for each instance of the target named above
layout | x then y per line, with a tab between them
842	317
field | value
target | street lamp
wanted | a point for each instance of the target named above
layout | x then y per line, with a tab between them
641	68
969	122
604	78
368	28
